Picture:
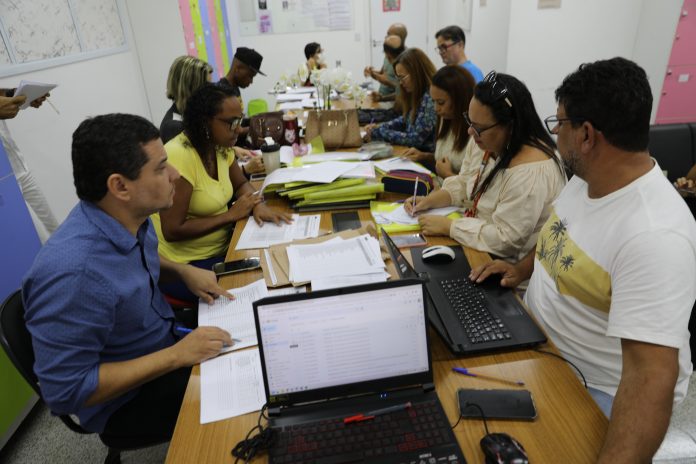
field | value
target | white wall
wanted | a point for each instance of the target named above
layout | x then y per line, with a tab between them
159	39
546	45
285	52
87	88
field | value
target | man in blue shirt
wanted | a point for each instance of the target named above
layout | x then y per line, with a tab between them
450	45
106	344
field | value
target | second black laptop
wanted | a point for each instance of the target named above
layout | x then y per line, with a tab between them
471	318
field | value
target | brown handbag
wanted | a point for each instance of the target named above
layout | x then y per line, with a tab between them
337	128
266	125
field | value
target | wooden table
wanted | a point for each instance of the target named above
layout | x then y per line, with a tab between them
569	427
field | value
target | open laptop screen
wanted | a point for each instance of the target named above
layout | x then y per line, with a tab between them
349	337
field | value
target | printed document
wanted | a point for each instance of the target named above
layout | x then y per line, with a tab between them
402	164
400	216
235	316
323	283
231	385
358	255
254	236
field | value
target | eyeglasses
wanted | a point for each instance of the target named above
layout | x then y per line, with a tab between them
477	130
233	123
402	78
497	88
553	123
444	47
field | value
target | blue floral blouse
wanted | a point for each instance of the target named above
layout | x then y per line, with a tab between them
419	134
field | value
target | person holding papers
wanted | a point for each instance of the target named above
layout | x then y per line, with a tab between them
105	340
416	125
507	192
452	90
32	193
197	228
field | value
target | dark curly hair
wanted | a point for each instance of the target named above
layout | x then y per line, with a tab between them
459	85
614	96
106	145
514	109
202	106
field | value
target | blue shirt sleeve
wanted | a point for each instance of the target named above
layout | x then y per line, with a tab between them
70	317
419	134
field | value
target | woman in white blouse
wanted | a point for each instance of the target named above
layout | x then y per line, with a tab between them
507	191
451	90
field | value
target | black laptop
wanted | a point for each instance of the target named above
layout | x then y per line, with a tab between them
348	377
470	318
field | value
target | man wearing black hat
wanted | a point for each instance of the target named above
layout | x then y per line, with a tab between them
245	65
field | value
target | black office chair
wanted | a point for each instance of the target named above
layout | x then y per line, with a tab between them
16	341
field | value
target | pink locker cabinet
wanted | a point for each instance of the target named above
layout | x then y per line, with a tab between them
678	98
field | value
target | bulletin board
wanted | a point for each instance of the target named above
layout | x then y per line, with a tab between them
39	34
257	17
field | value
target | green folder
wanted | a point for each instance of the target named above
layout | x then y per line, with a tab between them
336	200
347	192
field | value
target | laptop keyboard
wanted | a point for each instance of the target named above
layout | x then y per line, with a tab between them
469	304
400	436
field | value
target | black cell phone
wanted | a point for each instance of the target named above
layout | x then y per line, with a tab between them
239	265
257	176
345	221
497	404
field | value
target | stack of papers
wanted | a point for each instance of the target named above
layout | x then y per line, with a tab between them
320	173
401	164
255	236
400	216
393	218
337	259
232	385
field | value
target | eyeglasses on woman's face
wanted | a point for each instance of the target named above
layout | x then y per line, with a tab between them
232	123
478	130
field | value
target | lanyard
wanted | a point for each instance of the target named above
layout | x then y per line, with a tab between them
471	212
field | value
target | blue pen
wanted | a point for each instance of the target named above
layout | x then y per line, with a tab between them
465	371
186	330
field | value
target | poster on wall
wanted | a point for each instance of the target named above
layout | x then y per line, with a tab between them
391	5
207	32
265	23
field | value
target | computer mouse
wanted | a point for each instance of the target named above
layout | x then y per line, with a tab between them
438	254
501	448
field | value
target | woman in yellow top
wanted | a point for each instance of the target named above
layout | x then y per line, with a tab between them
197	228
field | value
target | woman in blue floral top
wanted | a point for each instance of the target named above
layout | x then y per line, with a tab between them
416	126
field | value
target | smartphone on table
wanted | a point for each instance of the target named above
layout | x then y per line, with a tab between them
408	240
497	404
239	265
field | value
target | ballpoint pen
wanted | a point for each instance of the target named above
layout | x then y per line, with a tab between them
377	412
415	190
186	330
465	371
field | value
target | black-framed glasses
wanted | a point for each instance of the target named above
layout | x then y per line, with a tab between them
444	47
477	130
497	88
553	123
233	123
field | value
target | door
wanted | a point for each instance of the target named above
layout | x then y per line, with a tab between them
412	13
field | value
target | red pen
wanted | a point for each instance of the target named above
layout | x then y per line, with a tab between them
377	412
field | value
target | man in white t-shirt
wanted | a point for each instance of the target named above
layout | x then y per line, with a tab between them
615	264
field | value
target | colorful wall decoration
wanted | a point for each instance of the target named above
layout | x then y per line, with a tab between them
207	32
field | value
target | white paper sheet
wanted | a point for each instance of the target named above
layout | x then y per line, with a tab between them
336	156
323	283
32	90
362	170
235	316
231	385
286	97
320	173
400	216
290	105
254	236
301	90
358	255
398	163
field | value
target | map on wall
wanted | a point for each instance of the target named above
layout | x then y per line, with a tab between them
42	33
